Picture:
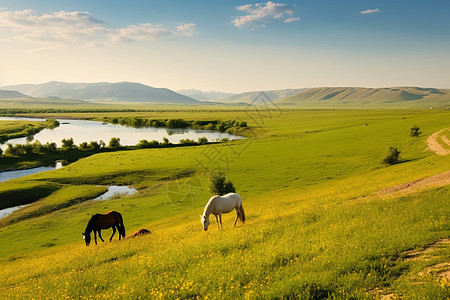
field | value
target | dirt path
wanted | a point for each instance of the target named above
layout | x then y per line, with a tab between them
417	185
434	145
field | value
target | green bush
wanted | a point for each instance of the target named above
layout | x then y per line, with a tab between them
67	144
218	184
114	143
393	156
415	131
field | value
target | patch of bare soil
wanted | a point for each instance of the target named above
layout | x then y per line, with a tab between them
434	145
434	251
429	251
416	185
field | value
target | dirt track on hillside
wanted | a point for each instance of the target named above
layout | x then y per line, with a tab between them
434	145
416	185
423	183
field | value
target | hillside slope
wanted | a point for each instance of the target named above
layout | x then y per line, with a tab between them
103	91
7	94
202	96
260	96
403	96
9	98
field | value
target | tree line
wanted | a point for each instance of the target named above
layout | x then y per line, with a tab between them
217	125
69	145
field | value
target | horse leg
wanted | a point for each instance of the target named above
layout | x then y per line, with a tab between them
217	221
95	236
114	231
237	216
220	220
100	235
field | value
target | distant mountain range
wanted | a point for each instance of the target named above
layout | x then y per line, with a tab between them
204	96
7	94
60	93
260	96
102	92
351	96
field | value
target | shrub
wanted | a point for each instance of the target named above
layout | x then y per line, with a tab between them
392	157
114	142
415	131
67	144
83	146
93	145
202	140
177	123
219	185
187	142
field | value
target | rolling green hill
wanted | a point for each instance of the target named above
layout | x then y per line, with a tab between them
370	97
316	227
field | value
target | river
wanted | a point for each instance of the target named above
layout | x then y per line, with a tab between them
87	131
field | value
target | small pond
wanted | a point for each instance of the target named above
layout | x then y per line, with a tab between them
7	211
7	175
87	131
113	190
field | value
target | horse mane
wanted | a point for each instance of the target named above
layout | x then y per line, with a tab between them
90	224
209	206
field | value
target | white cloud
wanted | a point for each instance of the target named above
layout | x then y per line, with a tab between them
149	31
369	11
59	28
290	20
261	13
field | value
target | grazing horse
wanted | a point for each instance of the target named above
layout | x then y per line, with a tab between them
223	204
104	221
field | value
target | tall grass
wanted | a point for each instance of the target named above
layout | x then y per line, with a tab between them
314	228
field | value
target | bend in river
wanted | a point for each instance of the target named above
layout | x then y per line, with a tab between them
87	131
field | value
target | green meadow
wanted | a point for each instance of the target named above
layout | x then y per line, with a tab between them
315	228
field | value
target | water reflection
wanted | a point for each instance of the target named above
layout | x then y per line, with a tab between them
87	131
115	190
7	175
7	211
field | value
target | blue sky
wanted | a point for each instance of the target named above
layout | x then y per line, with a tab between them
227	45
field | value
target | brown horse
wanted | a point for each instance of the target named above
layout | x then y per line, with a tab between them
104	221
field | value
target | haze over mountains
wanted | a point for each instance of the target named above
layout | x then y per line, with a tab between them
101	92
128	92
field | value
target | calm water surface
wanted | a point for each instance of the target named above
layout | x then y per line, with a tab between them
7	175
87	131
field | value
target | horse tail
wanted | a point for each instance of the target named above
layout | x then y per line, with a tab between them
121	227
241	213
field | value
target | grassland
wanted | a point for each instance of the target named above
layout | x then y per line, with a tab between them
14	129
315	227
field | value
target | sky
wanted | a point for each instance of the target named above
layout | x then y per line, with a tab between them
227	45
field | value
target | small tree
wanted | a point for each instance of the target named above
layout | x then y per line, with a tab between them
392	157
415	131
114	142
93	145
202	140
83	146
218	184
67	144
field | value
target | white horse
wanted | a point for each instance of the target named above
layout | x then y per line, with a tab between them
222	204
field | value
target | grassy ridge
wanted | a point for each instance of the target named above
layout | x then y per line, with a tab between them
309	233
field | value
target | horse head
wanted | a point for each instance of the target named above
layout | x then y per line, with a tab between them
205	222
87	238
